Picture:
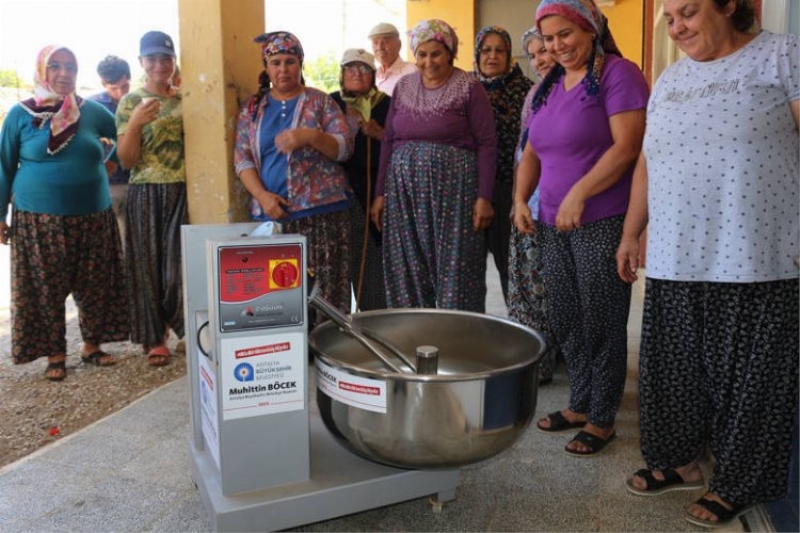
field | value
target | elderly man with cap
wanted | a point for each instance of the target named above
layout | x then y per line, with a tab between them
150	144
386	45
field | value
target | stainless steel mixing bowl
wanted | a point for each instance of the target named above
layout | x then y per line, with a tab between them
479	403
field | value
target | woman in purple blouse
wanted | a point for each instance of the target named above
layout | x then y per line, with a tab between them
585	133
436	179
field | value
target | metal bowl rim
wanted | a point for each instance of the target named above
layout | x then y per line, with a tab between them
472	376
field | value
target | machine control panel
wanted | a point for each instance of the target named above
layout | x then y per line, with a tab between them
260	286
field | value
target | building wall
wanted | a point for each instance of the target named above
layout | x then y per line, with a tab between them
626	20
460	14
516	16
625	17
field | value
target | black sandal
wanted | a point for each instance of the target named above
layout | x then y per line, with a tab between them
56	371
654	487
724	515
559	422
99	358
593	443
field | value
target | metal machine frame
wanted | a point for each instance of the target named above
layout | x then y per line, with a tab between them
277	469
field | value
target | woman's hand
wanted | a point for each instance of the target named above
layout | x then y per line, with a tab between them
273	205
289	140
145	113
482	214
372	130
628	258
523	219
4	232
376	212
570	211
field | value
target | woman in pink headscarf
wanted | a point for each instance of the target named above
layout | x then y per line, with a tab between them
64	235
584	135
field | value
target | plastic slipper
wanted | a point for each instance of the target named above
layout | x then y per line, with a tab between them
99	358
672	481
158	356
593	443
724	516
558	422
56	371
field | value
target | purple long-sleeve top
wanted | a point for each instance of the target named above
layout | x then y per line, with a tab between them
458	113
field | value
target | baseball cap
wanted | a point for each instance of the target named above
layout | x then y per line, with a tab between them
156	42
384	28
360	55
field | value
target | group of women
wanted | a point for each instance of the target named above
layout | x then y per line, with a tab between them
401	197
63	232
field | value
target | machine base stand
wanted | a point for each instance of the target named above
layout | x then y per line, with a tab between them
341	483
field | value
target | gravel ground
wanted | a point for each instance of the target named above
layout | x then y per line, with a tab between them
35	412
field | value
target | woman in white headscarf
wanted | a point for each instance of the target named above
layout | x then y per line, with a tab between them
366	108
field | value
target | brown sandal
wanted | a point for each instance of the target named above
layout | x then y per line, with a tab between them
158	356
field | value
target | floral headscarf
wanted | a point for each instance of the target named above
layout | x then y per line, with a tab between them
497	30
433	30
279	42
588	16
63	112
274	42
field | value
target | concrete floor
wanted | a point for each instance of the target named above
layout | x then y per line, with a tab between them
131	472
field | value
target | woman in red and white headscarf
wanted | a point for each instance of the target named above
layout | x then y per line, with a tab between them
64	235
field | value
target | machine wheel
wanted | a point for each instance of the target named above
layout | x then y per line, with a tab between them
436	506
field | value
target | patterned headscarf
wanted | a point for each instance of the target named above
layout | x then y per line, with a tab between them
63	111
497	30
588	16
433	30
530	33
274	42
279	42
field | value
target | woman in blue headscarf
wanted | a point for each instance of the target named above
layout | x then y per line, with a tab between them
506	87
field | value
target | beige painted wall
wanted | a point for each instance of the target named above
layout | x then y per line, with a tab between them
626	20
515	16
460	14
